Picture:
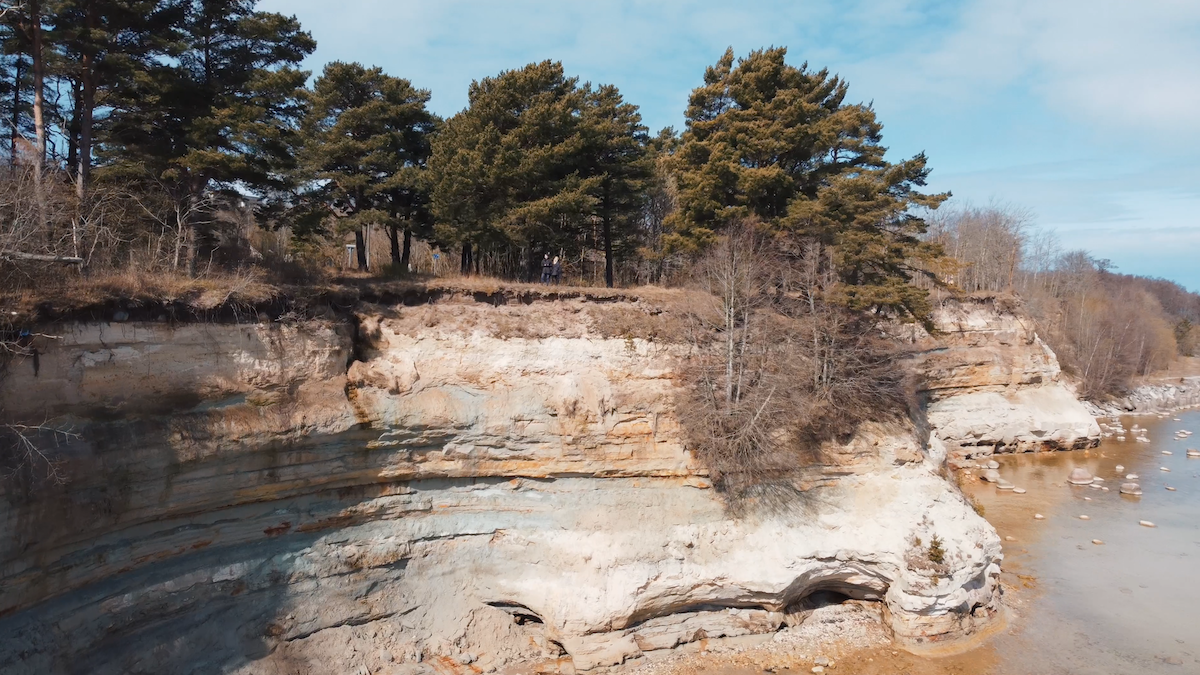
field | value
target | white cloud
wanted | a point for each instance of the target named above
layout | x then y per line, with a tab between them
1121	64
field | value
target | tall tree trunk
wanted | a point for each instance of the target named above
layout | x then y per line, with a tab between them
360	248
394	239
16	108
87	109
73	124
606	219
466	258
39	122
406	254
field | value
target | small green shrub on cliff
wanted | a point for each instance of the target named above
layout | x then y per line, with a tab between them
937	554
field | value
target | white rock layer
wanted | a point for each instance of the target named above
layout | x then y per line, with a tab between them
265	497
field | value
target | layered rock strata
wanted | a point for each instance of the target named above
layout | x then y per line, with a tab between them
417	489
991	385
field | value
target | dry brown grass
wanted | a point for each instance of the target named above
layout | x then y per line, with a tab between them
71	293
74	293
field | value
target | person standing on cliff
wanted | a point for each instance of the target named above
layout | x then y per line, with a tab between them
547	266
556	271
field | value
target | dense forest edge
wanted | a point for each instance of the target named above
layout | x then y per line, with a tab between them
174	153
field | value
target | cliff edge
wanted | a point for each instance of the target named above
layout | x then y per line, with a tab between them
442	486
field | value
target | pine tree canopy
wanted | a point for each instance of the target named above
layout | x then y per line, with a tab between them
221	106
536	160
778	144
365	140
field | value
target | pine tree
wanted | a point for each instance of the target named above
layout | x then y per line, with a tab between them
221	112
102	43
534	161
365	143
778	144
505	170
617	156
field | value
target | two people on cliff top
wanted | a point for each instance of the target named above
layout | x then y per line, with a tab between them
551	270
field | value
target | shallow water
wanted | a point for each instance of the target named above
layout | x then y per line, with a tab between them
1129	605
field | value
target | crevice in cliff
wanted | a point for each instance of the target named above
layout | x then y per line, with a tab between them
354	621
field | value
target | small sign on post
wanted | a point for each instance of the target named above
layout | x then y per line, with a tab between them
350	249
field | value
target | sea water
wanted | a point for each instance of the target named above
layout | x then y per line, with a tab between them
1130	604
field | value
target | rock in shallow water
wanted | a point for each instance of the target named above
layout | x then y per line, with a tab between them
1079	476
1131	489
991	476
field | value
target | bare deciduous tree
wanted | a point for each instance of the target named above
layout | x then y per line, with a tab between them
775	371
988	242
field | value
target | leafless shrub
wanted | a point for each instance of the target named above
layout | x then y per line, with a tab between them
775	372
27	450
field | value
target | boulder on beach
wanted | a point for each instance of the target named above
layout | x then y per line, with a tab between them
1079	476
1131	489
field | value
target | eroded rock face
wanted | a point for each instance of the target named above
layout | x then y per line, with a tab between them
993	386
1167	395
403	494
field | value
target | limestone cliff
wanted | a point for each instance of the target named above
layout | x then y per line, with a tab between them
433	487
991	385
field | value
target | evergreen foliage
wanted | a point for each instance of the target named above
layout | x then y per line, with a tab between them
222	108
778	144
365	141
536	161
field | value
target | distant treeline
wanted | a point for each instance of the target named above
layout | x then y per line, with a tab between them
1106	328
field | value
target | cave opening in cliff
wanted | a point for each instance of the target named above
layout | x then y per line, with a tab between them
817	599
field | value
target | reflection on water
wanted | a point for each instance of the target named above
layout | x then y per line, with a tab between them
1129	604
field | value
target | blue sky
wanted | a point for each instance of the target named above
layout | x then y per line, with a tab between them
1086	112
